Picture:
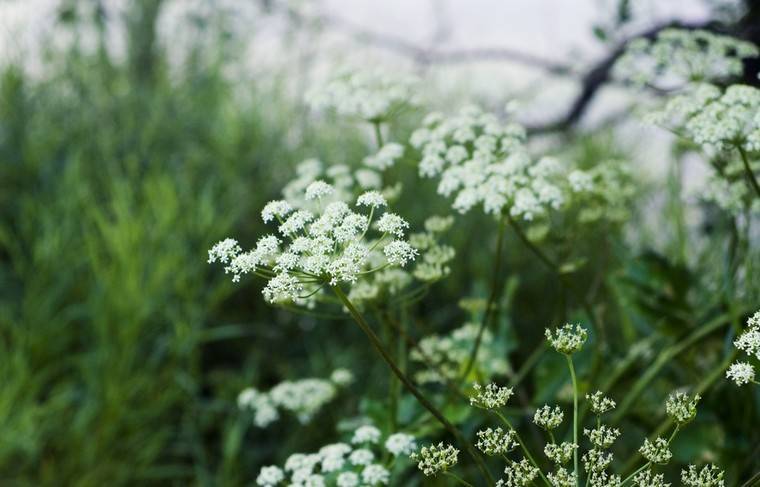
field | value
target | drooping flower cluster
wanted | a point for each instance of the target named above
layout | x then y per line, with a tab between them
328	247
567	339
483	161
748	342
370	95
679	56
303	398
444	357
435	459
340	464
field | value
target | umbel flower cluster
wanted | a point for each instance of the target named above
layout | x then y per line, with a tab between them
335	245
524	467
743	372
445	357
359	462
371	95
481	160
304	398
676	57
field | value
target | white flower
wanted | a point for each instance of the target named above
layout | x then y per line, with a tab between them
649	479
681	407
657	451
548	418
281	288
399	252
741	373
342	377
347	479
361	456
567	339
400	444
490	397
749	342
375	474
435	458
275	209
603	436
599	403
318	190
366	434
496	442
518	474
372	199
709	476
393	224
270	476
596	460
224	251
562	478
386	157
561	453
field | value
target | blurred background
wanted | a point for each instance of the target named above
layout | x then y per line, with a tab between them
134	134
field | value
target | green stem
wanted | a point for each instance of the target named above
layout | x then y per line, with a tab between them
490	304
575	416
627	479
378	134
748	170
522	445
373	338
753	481
458	479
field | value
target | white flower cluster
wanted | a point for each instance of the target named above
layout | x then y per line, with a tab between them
647	478
330	247
679	56
481	160
548	418
657	451
339	464
599	403
681	408
603	436
496	441
386	157
708	476
567	339
748	342
434	459
518	474
562	478
371	95
491	396
560	454
304	398
450	353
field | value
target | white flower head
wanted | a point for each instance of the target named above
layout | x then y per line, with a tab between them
372	199
548	418
649	479
708	476
567	339
657	451
318	190
562	478
270	476
361	456
491	396
375	475
741	373
434	459
603	436
400	444
496	441
518	474
681	407
347	479
366	434
600	404
560	453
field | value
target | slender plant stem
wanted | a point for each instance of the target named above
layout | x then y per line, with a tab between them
525	450
627	479
748	170
410	385
575	416
755	480
458	479
490	304
378	134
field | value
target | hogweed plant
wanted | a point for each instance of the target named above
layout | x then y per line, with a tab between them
524	467
336	241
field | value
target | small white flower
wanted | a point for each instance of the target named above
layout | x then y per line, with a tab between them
681	407
362	456
649	479
275	209
562	478
491	396
561	453
567	339
366	434
603	436
372	199
709	476
399	252
435	458
270	476
741	373
318	190
548	418
375	474
392	224
400	444
347	479
599	403
518	474
224	251
496	442
657	451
